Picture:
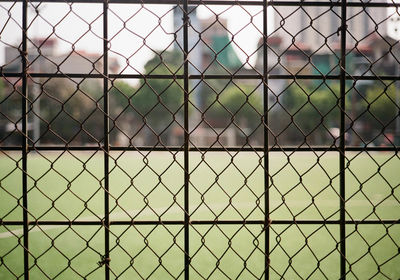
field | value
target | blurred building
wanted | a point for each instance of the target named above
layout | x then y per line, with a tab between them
209	44
310	39
217	47
44	57
319	26
210	52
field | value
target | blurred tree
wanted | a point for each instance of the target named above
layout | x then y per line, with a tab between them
236	102
70	111
158	98
1	87
311	107
154	105
10	112
381	104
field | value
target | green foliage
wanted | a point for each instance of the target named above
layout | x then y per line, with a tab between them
169	62
10	103
63	107
381	102
2	86
152	94
119	93
311	105
242	103
155	103
158	95
10	112
158	100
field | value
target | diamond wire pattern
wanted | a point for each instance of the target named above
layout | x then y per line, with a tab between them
217	166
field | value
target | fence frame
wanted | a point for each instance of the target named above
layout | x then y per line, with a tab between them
106	148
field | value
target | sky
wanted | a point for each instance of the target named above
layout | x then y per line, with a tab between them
81	25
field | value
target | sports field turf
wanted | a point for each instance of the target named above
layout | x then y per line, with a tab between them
149	186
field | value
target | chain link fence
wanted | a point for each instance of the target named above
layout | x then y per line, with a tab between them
199	139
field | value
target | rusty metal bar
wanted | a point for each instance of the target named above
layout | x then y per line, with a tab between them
342	157
106	149
24	136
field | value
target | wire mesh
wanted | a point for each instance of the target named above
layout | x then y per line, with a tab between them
199	139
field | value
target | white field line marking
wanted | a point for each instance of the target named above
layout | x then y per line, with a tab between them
177	210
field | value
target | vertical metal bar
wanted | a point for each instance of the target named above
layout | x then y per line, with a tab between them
186	126
24	137
397	93
266	141
106	143
342	139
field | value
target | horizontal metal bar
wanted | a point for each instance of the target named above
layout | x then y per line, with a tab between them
373	149
331	4
160	2
335	77
198	222
202	77
223	2
204	149
131	76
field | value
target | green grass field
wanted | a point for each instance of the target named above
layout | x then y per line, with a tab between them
149	186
